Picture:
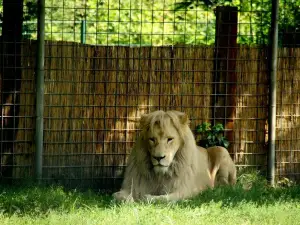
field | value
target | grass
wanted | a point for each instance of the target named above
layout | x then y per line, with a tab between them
251	201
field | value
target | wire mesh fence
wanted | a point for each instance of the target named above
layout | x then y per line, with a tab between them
109	61
16	117
287	127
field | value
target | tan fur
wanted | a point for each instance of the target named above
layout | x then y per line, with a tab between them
183	169
222	168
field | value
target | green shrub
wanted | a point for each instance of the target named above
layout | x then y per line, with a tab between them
208	136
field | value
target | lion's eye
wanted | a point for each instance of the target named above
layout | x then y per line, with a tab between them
152	140
170	139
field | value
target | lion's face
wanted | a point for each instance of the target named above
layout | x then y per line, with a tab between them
163	145
163	141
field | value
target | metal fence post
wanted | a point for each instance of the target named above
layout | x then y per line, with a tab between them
40	55
83	31
272	92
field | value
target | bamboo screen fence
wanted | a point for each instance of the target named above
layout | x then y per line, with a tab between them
94	97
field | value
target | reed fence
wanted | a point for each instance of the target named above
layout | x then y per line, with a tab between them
95	95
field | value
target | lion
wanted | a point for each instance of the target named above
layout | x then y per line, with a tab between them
165	163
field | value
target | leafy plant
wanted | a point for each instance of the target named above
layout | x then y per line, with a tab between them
285	182
209	136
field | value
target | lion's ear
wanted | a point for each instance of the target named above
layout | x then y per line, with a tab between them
143	120
184	118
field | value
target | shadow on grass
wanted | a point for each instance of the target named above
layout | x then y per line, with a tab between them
250	188
33	199
237	195
37	200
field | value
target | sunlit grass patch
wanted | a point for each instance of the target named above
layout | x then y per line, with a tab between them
250	201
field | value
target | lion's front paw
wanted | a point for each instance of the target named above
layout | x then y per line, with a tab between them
170	198
123	196
156	198
149	197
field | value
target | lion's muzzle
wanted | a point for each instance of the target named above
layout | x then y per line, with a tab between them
160	169
158	158
160	164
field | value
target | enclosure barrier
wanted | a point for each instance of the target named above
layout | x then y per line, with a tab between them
39	130
70	114
272	91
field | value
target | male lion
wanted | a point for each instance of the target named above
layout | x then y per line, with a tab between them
166	164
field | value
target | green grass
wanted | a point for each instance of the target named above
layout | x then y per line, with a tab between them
251	201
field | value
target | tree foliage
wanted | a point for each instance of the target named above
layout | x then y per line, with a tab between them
125	22
150	22
255	18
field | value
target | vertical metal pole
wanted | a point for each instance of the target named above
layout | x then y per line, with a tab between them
83	31
272	92
40	55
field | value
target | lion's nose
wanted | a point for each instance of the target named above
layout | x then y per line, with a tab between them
159	158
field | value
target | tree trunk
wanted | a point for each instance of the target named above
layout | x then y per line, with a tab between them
224	98
10	81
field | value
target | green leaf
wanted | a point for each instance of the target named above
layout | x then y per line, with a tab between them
218	128
213	138
225	143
